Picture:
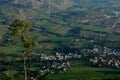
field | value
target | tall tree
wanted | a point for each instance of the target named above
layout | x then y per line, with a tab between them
21	29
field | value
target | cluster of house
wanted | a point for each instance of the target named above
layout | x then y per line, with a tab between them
105	57
98	56
59	61
60	56
55	66
103	61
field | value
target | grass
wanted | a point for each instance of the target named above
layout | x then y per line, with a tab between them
34	68
94	28
52	27
86	33
113	45
10	49
81	71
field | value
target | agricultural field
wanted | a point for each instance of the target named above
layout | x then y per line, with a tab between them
89	29
81	70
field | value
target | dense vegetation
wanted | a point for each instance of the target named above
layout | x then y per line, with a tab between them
59	26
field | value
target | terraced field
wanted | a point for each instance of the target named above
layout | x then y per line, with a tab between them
59	25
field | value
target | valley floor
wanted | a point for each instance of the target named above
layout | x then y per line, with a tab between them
81	70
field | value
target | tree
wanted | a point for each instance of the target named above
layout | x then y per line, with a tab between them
21	29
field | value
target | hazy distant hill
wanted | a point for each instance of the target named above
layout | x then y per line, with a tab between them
10	9
30	8
60	4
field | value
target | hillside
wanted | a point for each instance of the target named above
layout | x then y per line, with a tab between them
59	21
26	9
76	39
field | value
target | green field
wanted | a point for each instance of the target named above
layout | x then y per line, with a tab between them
80	70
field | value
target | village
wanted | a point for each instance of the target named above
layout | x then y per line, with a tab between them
104	57
55	63
60	61
98	57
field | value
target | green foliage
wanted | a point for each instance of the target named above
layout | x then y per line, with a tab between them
22	29
4	77
28	43
19	27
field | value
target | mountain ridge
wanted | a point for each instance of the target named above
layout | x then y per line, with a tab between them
28	9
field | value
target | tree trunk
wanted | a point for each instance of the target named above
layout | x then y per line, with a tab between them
25	69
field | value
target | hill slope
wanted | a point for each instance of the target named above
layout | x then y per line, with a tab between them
60	21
